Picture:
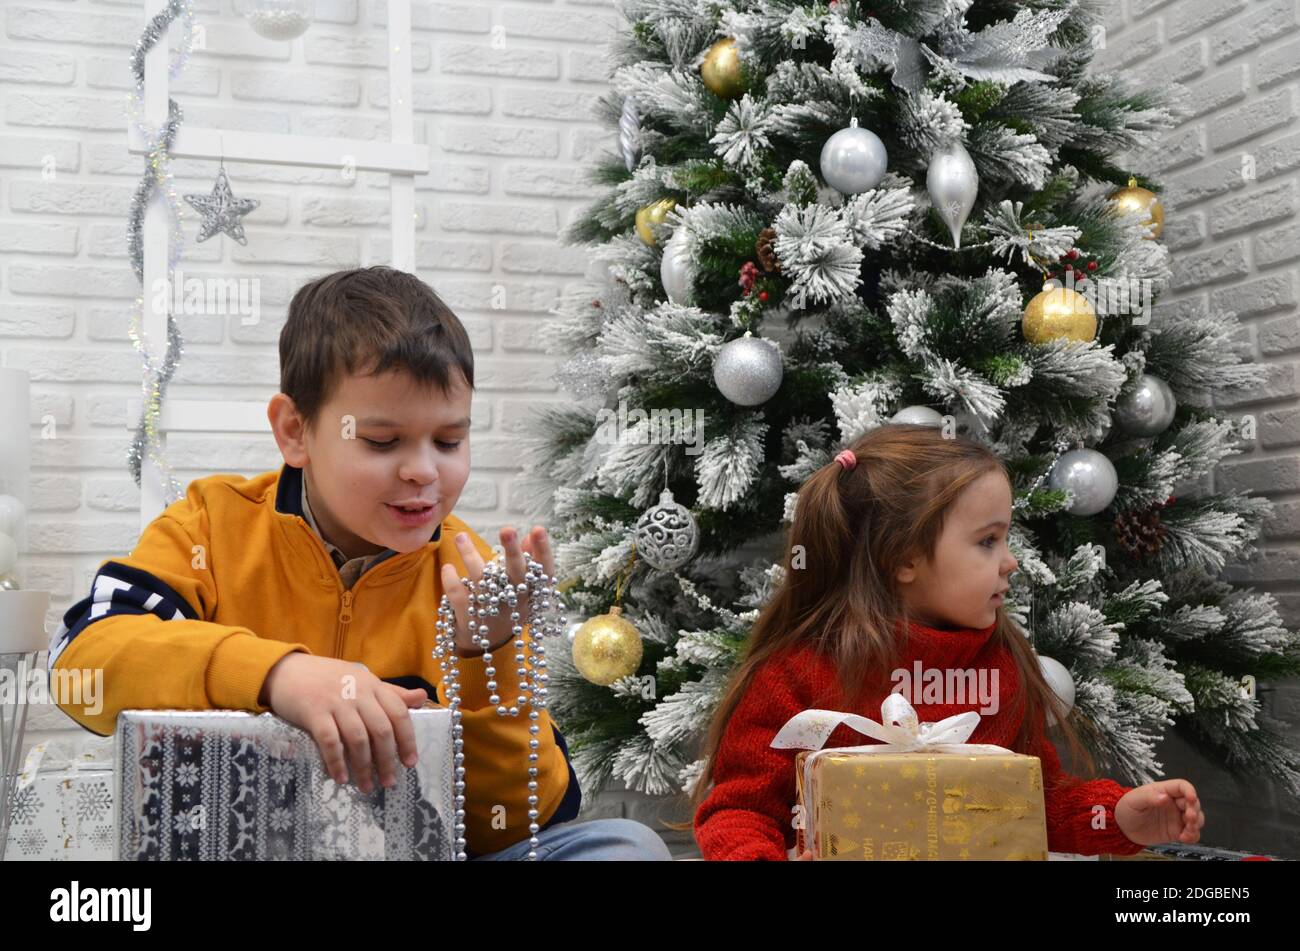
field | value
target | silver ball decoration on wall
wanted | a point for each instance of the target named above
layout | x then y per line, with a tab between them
667	535
1147	409
1090	476
748	370
854	160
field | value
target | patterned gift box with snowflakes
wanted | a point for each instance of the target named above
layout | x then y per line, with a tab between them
231	786
61	816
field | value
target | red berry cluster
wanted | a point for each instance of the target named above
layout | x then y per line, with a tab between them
1073	255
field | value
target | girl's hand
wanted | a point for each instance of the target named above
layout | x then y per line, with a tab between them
804	856
1162	811
537	544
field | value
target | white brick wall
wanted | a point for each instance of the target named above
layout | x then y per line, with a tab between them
501	96
1232	172
502	93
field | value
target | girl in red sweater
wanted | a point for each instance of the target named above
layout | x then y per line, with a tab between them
898	553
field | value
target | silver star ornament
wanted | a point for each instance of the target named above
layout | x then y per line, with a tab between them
221	210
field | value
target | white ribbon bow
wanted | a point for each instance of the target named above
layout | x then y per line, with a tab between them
899	727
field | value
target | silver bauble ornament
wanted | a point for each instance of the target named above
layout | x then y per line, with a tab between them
1090	476
919	415
675	269
629	134
854	160
748	370
667	535
279	19
953	187
1148	409
1059	679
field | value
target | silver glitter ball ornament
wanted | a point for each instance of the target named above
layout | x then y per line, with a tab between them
1147	409
953	187
854	160
1090	476
667	535
748	370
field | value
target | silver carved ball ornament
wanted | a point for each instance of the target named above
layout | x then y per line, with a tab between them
667	535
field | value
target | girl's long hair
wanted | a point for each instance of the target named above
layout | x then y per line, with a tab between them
852	530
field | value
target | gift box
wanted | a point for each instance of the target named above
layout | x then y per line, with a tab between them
63	816
922	794
233	786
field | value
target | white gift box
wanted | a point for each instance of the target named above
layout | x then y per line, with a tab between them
63	815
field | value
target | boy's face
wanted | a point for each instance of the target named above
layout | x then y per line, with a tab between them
380	440
971	563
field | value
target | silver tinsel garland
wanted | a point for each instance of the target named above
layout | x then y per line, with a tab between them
157	175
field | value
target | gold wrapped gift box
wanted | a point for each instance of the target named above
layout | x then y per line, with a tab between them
922	806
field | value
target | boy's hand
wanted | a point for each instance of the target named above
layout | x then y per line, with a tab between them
1162	811
537	544
350	713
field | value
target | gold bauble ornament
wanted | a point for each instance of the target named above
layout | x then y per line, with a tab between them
1143	201
607	647
652	215
1058	313
721	70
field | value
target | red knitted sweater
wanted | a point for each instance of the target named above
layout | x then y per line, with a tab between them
748	813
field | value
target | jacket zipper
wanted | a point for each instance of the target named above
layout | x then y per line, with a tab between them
345	618
345	606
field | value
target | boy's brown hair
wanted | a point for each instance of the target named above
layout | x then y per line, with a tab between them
368	321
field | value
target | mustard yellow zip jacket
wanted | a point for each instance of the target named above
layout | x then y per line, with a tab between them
231	578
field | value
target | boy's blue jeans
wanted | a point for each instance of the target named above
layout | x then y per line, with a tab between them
597	840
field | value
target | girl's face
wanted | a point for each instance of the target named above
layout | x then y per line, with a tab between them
962	586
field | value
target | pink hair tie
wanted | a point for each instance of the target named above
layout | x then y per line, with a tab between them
847	458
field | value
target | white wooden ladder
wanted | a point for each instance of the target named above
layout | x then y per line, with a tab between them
400	157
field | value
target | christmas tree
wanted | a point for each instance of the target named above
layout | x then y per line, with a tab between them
828	217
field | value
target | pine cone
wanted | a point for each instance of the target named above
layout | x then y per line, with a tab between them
1140	534
765	252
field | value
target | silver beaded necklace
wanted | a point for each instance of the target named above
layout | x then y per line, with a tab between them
485	599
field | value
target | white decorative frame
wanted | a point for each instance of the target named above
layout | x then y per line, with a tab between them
399	156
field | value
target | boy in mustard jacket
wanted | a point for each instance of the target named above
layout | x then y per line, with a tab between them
267	593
